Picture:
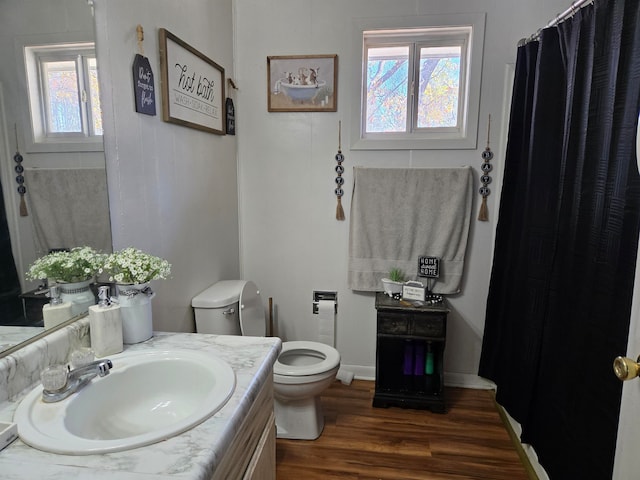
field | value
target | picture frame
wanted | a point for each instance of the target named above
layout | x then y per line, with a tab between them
302	83
192	86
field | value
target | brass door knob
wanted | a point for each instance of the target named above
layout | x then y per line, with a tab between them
625	368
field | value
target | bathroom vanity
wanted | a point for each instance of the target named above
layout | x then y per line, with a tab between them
237	442
410	343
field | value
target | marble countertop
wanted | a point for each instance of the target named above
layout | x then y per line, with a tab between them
10	335
191	455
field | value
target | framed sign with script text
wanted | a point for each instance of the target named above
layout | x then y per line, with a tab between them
192	86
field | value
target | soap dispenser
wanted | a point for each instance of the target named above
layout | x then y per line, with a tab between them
56	311
105	325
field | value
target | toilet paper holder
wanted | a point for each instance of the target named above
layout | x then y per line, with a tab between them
324	295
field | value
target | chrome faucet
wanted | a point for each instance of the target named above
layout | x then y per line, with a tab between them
62	382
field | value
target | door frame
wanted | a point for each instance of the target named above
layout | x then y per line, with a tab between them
626	460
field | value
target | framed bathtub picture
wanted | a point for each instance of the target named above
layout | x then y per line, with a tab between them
302	83
192	86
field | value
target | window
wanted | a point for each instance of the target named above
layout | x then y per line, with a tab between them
413	81
419	85
64	94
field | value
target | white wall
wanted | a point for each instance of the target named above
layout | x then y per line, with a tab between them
172	189
291	243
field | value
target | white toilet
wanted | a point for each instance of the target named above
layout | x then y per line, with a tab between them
302	371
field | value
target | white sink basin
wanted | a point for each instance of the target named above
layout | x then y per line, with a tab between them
147	397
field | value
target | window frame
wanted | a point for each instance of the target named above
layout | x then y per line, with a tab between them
32	51
427	30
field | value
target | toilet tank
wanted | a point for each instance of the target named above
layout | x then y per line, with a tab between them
216	308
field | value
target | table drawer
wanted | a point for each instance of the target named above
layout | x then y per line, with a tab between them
393	324
428	325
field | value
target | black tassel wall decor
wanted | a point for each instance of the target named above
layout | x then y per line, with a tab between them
485	178
339	180
19	169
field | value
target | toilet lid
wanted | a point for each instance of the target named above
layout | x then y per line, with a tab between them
252	320
299	358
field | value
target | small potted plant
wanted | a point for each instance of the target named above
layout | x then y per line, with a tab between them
393	284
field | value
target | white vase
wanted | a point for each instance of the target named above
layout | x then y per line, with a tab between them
391	287
135	310
79	294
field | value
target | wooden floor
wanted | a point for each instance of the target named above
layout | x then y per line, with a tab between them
366	443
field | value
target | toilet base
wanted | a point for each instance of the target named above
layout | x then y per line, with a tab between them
299	419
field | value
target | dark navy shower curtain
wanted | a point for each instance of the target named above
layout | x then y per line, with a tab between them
561	285
10	304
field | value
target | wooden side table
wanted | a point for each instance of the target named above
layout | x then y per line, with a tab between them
33	301
410	344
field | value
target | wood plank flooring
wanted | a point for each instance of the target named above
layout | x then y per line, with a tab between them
360	442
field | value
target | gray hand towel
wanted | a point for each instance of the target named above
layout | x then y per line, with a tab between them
399	214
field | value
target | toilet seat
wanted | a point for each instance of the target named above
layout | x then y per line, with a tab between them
327	358
252	319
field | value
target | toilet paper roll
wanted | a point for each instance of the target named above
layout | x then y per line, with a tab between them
326	322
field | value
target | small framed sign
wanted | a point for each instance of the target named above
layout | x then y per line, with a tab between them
413	291
231	117
429	267
143	86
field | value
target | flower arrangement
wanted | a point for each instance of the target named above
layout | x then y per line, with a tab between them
77	265
133	266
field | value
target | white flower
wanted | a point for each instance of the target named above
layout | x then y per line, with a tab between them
79	264
131	265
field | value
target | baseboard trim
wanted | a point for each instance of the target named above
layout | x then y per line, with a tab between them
467	380
525	457
451	379
360	372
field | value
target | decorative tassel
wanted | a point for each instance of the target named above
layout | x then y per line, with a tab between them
23	207
339	210
483	214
